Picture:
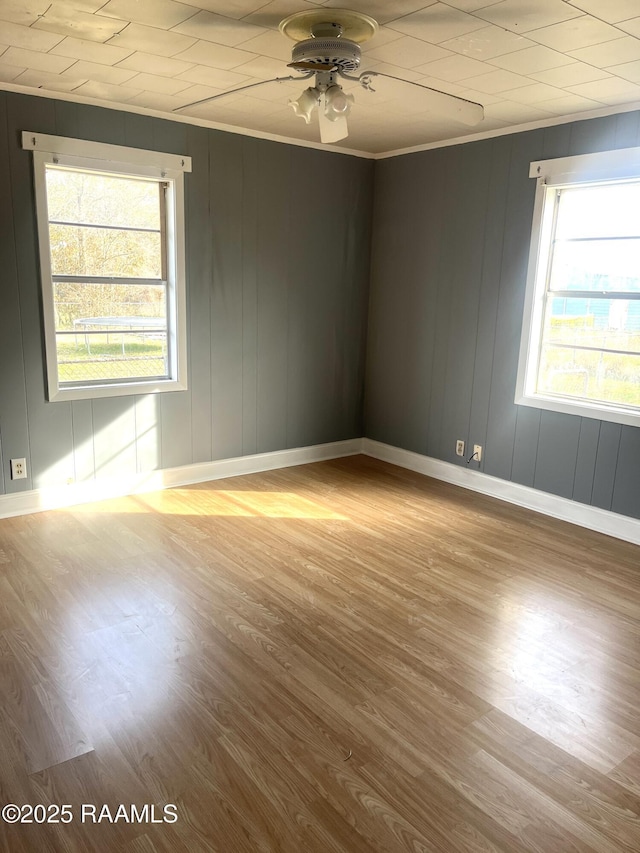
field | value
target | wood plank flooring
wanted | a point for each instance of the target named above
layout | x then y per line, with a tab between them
339	658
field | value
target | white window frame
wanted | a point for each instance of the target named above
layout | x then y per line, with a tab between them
110	159
580	170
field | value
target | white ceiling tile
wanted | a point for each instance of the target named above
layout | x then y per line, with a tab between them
142	51
568	104
105	91
219	111
574	34
483	98
216	28
19	36
151	40
628	71
160	85
487	43
497	81
381	10
437	23
264	67
8	73
83	71
81	24
72	6
155	101
449	87
625	49
520	16
610	10
163	14
570	75
408	52
631	26
393	70
19	12
256	106
279	93
533	94
471	5
196	93
610	91
455	67
531	59
383	36
45	80
231	8
214	77
215	55
35	60
513	112
271	44
150	64
106	54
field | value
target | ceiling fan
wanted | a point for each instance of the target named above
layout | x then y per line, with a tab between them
328	49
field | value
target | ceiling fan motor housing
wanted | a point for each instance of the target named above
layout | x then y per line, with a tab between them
339	52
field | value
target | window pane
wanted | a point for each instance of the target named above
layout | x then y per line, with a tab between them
602	377
104	252
598	265
100	199
602	323
611	210
106	331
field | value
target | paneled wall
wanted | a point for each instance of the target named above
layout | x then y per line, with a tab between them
450	251
278	246
278	250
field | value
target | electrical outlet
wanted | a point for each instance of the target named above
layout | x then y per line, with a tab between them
477	452
18	469
459	448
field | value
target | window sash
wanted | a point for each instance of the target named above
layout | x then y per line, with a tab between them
168	171
552	177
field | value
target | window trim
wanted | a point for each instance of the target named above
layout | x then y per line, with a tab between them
551	175
101	157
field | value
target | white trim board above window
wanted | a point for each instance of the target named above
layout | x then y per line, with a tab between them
112	264
580	345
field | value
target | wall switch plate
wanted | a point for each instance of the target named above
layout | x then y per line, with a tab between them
18	469
459	448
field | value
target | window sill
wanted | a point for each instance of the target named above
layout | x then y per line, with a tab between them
123	389
586	409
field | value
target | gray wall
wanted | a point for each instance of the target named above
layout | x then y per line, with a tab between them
450	250
278	245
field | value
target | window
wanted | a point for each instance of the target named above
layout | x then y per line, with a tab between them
111	238
580	350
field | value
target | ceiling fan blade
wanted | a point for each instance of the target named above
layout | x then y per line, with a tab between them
331	130
452	106
288	79
312	66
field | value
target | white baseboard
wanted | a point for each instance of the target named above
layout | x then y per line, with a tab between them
57	497
593	518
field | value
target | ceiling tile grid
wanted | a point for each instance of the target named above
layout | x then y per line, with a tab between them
523	60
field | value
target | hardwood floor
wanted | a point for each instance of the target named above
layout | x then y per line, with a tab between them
339	658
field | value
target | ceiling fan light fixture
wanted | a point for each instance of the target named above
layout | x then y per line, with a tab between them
327	48
337	104
306	103
331	129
